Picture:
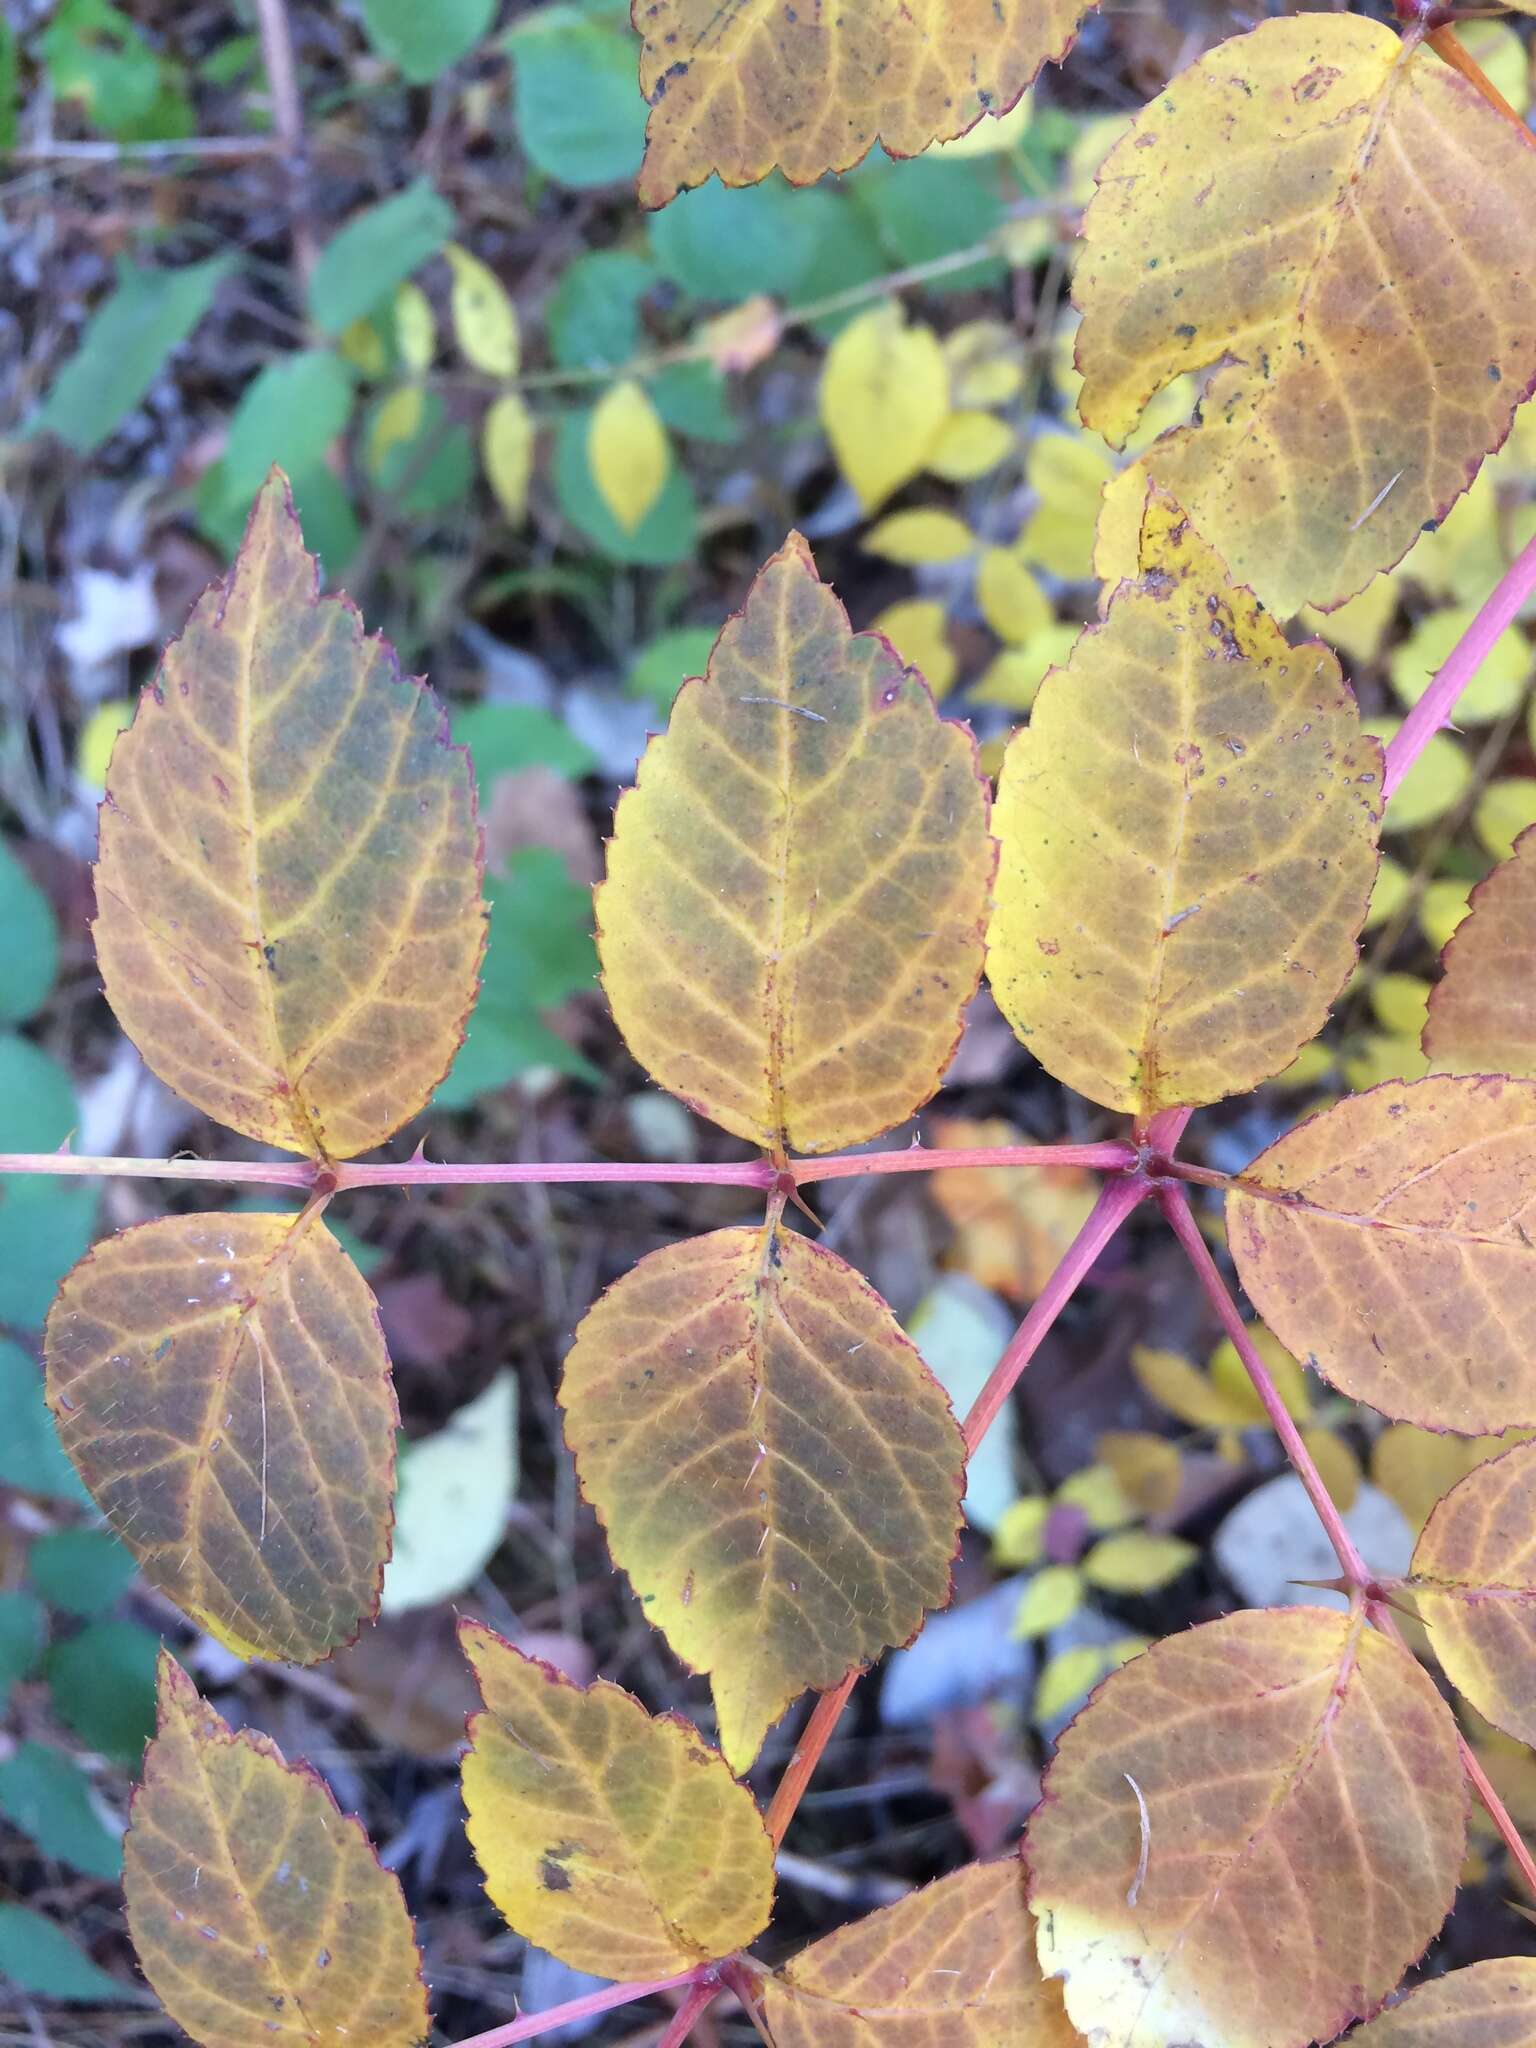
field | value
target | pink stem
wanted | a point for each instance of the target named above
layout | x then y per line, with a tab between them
703	1995
1498	1813
1434	708
532	2024
1117	1198
1175	1206
747	1173
1162	1134
1114	1155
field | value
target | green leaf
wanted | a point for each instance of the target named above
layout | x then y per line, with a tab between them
124	347
103	1686
95	54
29	941
82	1571
664	536
721	242
37	1955
540	951
31	1456
660	670
7	85
48	1796
376	251
593	314
21	1639
451	1509
692	398
290	413
45	1220
432	468
503	739
423	41
577	99
924	209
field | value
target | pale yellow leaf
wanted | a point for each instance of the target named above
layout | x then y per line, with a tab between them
628	452
884	400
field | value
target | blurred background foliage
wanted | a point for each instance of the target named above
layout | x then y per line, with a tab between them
544	440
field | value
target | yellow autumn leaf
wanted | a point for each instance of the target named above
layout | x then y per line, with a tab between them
1065	1678
791	923
1188	829
1359	628
1137	1561
1099	1497
395	420
1229	1376
918	629
1504	810
884	399
969	445
1011	600
985	360
415	327
1337	1464
1068	472
1234	226
484	318
506	450
1435	784
759	84
1501	680
1148	1467
628	452
1052	1597
920	535
611	1837
1012	678
1391	890
1442	907
1400	1003
1185	1392
1018	1539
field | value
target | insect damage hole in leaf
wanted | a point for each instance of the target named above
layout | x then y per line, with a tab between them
613	1838
776	1469
221	1384
791	922
258	1911
1299	1799
1188	828
289	921
1307	208
741	89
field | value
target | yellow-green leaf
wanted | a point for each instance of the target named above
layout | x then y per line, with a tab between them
1188	826
288	911
1053	1596
484	318
1482	1012
1501	679
260	1912
921	535
761	84
1383	1243
1148	1467
1288	1756
884	401
790	927
1011	601
506	449
777	1470
1306	208
1473	1580
1487	2005
1230	1376
1506	808
611	1837
415	328
1069	472
1414	1467
918	629
969	445
1173	1383
628	452
222	1386
952	1965
1137	1561
985	359
1435	784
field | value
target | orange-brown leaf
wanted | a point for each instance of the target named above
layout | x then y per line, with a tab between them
289	921
1383	1243
740	89
791	923
1188	828
612	1838
777	1470
259	1912
1012	1223
951	1966
1474	1583
222	1386
1247	1835
1489	2005
1307	208
1482	1011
